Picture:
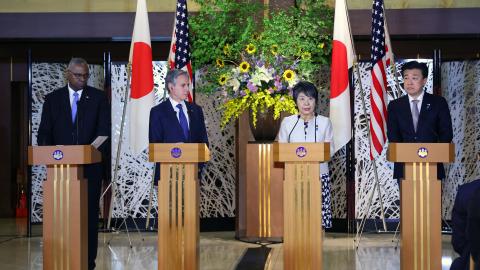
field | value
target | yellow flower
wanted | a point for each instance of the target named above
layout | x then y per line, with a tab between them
244	66
274	49
226	49
256	36
250	48
321	45
289	75
222	79
220	62
306	56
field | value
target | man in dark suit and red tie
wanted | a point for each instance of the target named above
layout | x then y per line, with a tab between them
176	120
77	114
418	116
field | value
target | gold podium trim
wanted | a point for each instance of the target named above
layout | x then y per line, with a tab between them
178	200
178	225
303	243
264	189
65	213
420	194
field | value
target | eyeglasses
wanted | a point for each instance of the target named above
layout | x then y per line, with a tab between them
80	75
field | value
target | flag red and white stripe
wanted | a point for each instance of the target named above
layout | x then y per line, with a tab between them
142	96
381	57
180	55
342	62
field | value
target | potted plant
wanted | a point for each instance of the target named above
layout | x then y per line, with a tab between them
254	64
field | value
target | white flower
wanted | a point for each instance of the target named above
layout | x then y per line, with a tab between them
234	83
261	74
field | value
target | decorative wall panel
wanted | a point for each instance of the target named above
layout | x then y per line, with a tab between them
337	164
461	88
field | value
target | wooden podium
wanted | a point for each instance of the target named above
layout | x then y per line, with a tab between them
178	199
264	194
65	205
420	198
302	191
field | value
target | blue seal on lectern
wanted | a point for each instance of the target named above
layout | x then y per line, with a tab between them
422	152
57	154
301	151
176	152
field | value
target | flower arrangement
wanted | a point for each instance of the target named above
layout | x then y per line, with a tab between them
256	84
253	64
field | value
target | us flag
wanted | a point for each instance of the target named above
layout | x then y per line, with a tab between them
380	56
179	57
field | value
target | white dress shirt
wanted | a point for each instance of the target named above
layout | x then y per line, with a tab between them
71	92
302	132
184	106
419	103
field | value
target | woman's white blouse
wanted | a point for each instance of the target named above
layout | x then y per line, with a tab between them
305	132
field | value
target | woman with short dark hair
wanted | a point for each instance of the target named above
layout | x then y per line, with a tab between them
308	126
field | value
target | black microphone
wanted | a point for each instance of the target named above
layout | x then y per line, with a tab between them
315	129
305	127
298	118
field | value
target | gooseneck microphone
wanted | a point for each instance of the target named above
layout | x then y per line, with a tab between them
298	118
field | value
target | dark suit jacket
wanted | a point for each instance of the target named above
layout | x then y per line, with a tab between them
165	127
473	226
93	120
434	125
460	242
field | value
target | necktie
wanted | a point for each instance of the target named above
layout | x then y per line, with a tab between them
183	121
415	114
74	106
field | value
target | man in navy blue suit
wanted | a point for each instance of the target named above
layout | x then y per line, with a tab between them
473	227
77	114
461	241
176	120
418	116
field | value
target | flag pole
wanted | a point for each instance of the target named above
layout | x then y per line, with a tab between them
392	63
377	184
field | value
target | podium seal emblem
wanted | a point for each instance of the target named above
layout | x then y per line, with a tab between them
301	151
57	154
422	152
176	152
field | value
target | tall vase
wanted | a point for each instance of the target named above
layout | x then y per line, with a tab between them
266	129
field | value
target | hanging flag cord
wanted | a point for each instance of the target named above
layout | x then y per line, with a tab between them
358	236
113	184
360	229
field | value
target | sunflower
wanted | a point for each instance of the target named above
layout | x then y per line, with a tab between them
289	75
244	67
274	49
226	49
306	56
220	62
222	79
250	48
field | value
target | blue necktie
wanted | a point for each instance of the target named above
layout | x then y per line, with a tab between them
74	106
183	121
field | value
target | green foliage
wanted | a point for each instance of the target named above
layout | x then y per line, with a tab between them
218	23
229	33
